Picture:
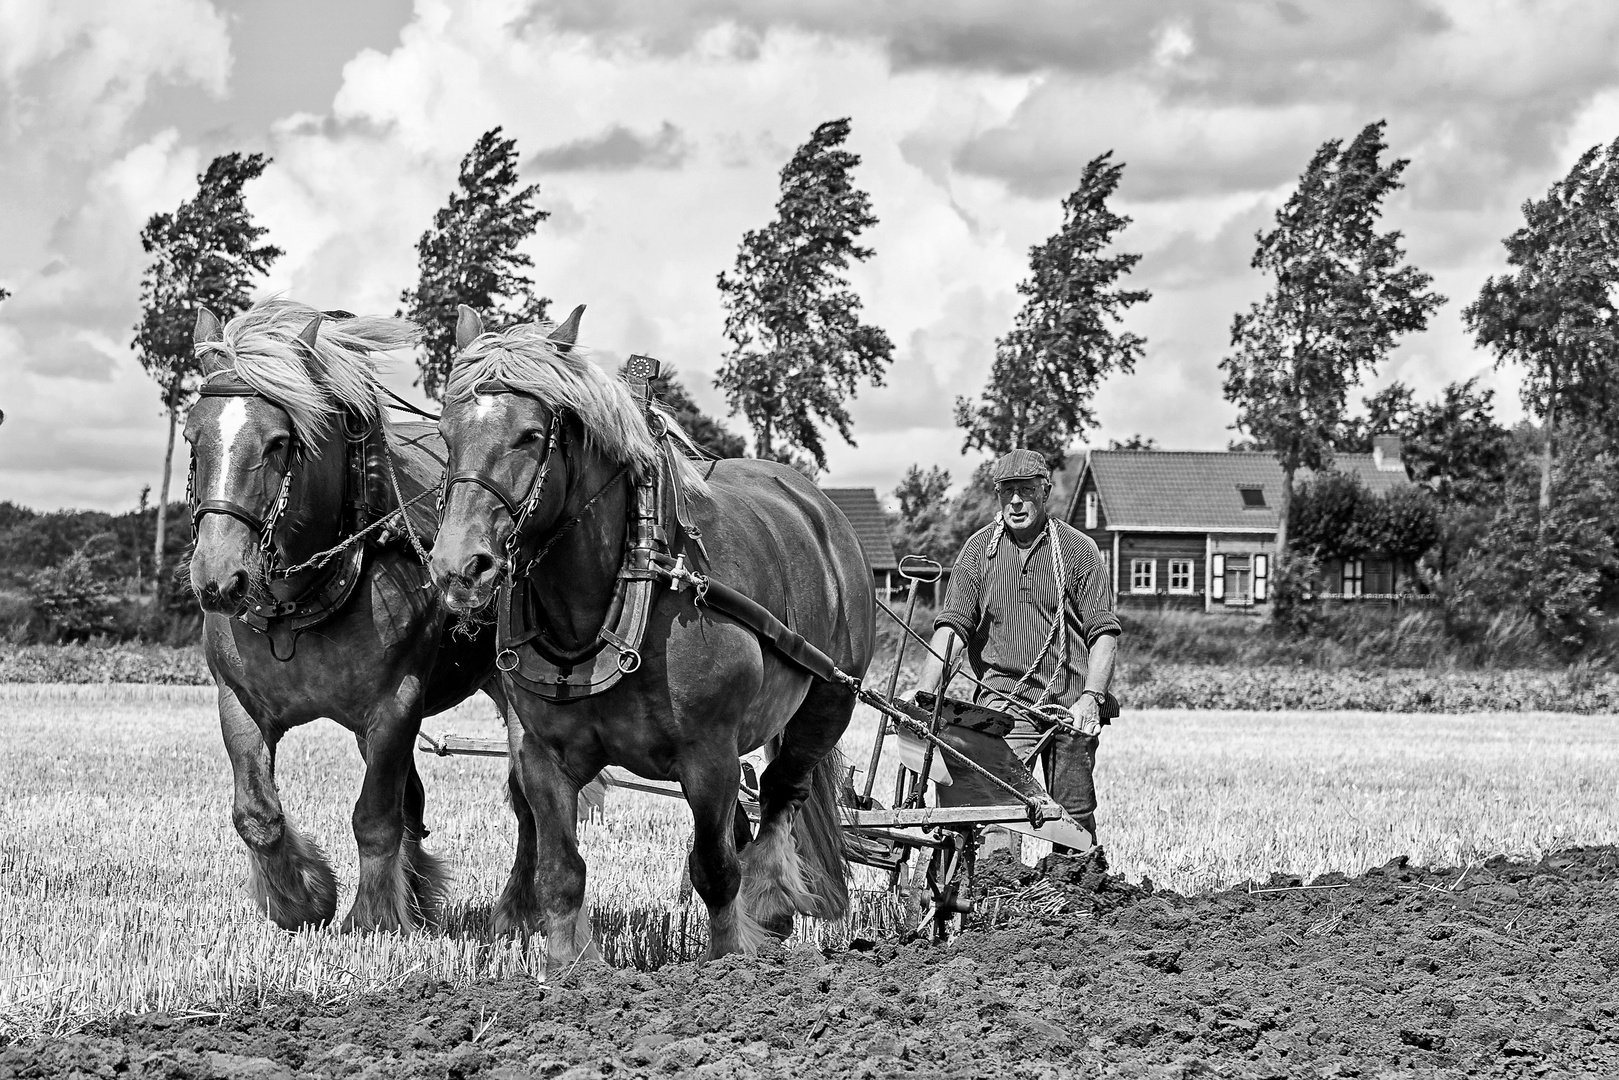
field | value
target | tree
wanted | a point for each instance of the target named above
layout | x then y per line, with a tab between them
1064	340
921	527
1456	447
1134	442
1555	564
205	254
705	431
798	347
470	256
1388	412
1556	315
1341	297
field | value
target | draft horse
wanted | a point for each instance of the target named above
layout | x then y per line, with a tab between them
553	514
315	603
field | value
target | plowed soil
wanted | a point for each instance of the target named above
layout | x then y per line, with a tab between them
1504	969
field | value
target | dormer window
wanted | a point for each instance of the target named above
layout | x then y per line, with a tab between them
1253	498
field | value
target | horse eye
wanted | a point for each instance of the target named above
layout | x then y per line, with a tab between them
529	437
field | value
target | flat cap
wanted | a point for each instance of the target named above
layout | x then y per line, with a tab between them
1020	465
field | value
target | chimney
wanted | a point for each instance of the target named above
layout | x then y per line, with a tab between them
1386	453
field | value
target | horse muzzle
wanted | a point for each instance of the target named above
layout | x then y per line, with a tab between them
470	586
226	595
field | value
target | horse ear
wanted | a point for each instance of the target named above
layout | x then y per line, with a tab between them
468	326
567	335
207	328
310	334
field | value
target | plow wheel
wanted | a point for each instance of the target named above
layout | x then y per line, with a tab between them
940	887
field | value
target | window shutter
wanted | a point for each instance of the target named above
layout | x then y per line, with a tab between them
1261	577
1217	578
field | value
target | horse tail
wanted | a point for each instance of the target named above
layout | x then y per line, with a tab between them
819	837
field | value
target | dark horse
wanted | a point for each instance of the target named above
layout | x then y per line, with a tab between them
291	455
545	453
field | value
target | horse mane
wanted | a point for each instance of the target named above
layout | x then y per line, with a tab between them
524	358
262	348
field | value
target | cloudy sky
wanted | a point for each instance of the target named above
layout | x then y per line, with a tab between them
656	129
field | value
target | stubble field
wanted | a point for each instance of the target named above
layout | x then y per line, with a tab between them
121	877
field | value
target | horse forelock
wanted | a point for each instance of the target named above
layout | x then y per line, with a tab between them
261	347
523	358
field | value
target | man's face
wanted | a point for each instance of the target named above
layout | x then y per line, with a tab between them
1023	503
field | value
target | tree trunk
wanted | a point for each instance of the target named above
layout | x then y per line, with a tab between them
1546	458
765	438
1282	510
163	504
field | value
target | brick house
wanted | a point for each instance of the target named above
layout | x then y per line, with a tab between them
1196	530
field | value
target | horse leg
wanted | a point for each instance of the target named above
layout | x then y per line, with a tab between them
400	887
795	865
518	912
428	876
710	781
552	796
289	877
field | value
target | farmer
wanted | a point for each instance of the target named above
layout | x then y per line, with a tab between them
1029	638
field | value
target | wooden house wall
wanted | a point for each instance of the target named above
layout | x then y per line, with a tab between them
1161	548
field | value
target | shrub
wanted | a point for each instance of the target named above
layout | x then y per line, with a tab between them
72	599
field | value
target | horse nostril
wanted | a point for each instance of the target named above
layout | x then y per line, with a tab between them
479	565
236	587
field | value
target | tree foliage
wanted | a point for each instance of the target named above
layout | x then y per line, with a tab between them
205	254
1334	516
798	347
1341	296
1559	563
930	522
1556	315
470	256
1065	339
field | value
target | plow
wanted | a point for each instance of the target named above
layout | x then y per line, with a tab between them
956	777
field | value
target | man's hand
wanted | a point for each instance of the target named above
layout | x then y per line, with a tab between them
1086	714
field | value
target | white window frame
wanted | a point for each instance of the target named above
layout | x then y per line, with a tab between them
1217	578
1261	578
1187	567
1092	509
1354	578
1152	575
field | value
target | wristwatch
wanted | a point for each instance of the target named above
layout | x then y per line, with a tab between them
1099	695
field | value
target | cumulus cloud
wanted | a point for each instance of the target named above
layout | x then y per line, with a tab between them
615	149
658	130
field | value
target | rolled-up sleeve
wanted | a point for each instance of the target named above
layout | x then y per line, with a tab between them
1093	594
962	601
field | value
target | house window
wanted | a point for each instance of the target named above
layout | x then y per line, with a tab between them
1180	575
1261	578
1253	498
1091	509
1217	578
1354	577
1143	575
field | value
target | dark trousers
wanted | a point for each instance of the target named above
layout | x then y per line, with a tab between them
1068	766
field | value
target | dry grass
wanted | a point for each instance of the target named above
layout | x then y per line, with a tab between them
121	877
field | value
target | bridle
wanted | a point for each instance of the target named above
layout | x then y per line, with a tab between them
265	526
520	510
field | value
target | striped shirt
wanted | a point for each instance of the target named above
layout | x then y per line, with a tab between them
1001	602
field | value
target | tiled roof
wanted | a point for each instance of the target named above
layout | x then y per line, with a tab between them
1201	490
865	513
